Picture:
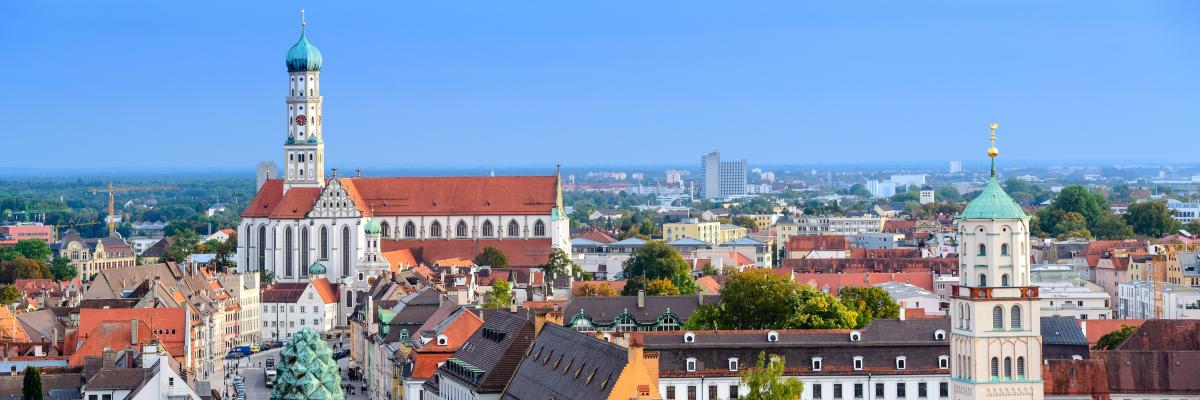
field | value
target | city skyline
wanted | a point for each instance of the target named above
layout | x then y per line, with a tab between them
550	79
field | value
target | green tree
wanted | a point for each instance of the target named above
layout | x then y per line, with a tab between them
1078	199
223	252
185	244
661	287
745	222
1072	224
766	381
1113	339
266	277
595	290
1151	218
23	268
62	270
870	303
759	299
1112	227
559	264
9	294
500	296
492	257
656	260
1193	227
710	270
33	249
820	310
31	387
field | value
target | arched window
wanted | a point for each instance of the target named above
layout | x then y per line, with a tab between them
262	247
1004	249
1016	317
304	251
982	280
488	229
385	229
410	230
349	297
1007	367
324	243
998	317
460	230
435	229
287	252
982	249
1004	280
1021	367
346	250
513	229
995	367
539	228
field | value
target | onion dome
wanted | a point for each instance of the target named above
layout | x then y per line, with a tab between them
316	269
303	56
373	227
993	203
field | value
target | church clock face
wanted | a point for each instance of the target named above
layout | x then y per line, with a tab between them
301	120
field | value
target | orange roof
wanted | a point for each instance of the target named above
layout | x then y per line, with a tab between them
521	253
817	242
325	289
477	195
1095	328
169	325
597	236
9	329
453	262
114	335
710	285
398	258
618	286
429	355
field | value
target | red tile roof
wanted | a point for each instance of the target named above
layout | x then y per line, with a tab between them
899	225
1095	328
326	290
266	200
617	286
1076	378
521	253
474	195
429	355
115	335
402	258
169	325
817	242
597	236
942	266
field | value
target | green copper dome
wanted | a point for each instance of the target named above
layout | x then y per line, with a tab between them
993	203
316	269
307	370
373	227
303	56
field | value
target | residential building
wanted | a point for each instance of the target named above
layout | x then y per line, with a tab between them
481	372
876	240
927	195
557	360
1137	301
439	339
714	233
11	234
152	229
881	189
817	246
758	251
245	288
631	313
825	225
90	256
910	296
288	307
721	179
156	379
1064	293
1182	211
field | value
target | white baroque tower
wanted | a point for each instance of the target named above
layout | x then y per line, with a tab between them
304	150
996	342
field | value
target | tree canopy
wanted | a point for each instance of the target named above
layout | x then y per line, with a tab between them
870	303
759	299
1151	218
492	257
31	386
1113	339
500	296
657	260
595	290
33	249
766	382
9	294
661	287
23	268
62	270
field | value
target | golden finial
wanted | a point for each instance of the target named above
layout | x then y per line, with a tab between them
992	152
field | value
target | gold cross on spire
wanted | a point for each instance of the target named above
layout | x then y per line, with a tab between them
992	152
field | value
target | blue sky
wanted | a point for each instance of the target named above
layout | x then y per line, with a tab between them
116	84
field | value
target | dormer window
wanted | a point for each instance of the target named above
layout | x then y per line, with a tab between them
943	362
691	365
901	362
939	335
772	336
442	340
733	364
855	336
689	337
858	363
816	363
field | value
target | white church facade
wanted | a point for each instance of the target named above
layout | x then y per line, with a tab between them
305	217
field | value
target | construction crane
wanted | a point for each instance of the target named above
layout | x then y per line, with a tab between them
10	214
112	191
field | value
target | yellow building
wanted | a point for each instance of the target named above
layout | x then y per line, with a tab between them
90	256
712	232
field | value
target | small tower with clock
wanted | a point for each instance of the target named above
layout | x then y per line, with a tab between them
304	149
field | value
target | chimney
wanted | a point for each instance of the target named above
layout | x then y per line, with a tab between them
512	306
642	298
133	333
901	313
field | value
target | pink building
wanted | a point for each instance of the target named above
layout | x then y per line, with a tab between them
10	234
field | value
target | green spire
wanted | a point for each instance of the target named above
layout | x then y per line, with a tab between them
303	56
307	370
993	202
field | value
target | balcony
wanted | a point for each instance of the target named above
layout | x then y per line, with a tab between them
987	293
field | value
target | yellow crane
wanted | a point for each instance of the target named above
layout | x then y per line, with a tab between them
112	191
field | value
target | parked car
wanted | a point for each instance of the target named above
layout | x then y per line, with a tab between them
340	354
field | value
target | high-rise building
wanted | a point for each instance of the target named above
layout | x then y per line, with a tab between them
721	179
996	343
956	167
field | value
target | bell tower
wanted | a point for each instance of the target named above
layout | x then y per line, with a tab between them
996	342
304	149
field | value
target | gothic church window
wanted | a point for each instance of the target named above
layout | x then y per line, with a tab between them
539	228
487	229
324	243
385	229
435	230
460	230
345	251
410	230
287	252
513	229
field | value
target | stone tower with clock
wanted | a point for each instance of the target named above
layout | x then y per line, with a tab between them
304	149
996	342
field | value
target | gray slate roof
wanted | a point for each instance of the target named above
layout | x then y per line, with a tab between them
1062	330
604	309
497	348
549	370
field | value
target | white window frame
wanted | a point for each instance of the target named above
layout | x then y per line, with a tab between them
817	364
858	363
901	362
733	364
689	337
690	364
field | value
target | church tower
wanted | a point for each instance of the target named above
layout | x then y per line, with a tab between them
372	264
995	343
303	150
